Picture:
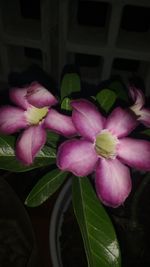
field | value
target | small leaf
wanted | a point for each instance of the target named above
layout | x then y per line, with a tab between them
146	132
66	104
45	187
106	98
100	242
119	89
8	161
70	84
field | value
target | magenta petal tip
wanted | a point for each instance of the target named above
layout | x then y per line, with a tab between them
39	96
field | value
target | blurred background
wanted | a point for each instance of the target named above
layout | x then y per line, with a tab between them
101	37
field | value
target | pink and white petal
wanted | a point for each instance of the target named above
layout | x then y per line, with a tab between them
18	97
12	119
121	122
137	96
60	123
113	183
39	96
135	153
30	143
144	116
87	119
77	156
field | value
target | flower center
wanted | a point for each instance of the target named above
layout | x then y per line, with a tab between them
105	144
35	115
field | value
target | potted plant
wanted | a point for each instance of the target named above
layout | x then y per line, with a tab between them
101	142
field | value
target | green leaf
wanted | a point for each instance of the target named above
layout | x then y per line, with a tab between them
52	139
66	104
98	234
146	132
45	187
119	89
106	98
9	162
70	84
46	156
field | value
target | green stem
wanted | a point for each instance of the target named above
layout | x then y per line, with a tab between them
136	198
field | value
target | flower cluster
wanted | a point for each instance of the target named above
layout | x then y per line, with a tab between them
96	144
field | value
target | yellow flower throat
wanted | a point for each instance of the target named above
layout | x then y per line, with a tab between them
36	115
105	144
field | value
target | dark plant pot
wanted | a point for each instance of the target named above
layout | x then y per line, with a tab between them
61	205
66	244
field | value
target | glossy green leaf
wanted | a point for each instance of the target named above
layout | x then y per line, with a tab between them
106	98
119	89
9	162
66	104
98	234
70	84
45	187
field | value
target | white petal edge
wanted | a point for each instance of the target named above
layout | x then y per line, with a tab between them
113	182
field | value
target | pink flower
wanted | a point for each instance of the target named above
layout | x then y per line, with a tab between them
143	114
32	114
105	149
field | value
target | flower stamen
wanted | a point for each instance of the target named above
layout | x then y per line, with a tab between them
105	144
36	115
